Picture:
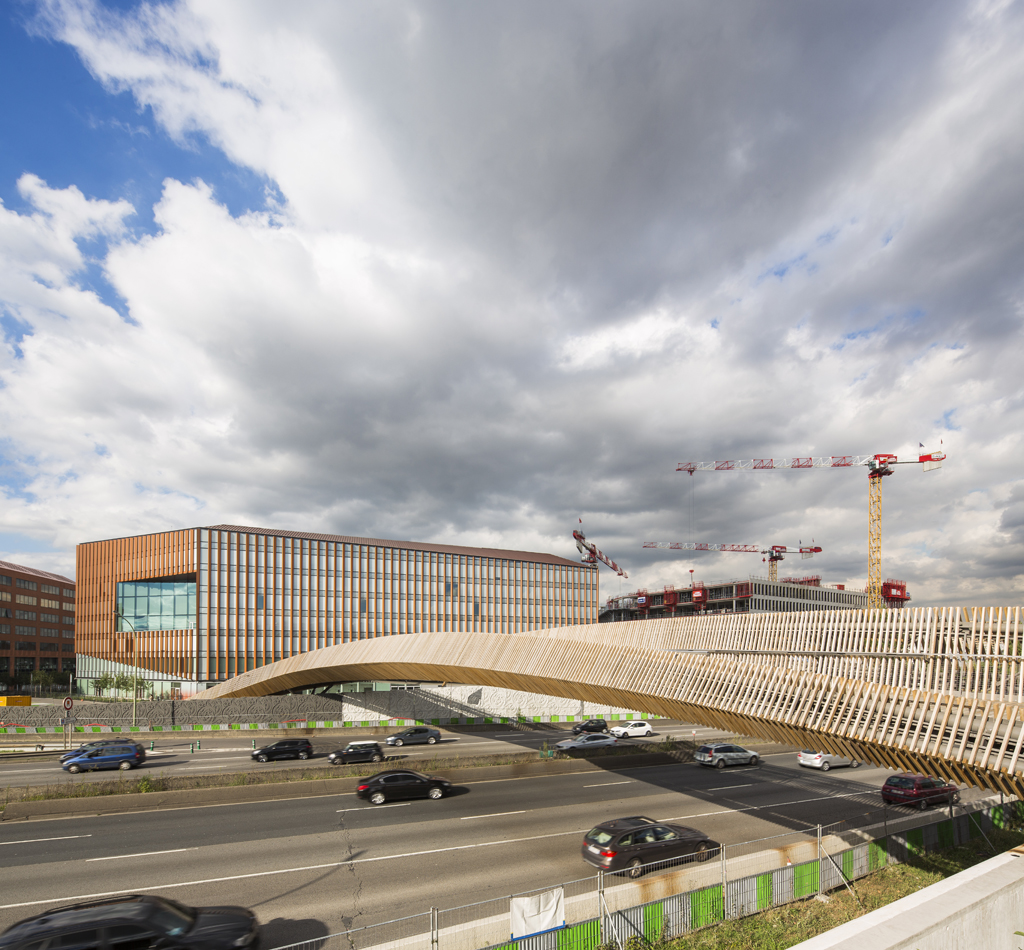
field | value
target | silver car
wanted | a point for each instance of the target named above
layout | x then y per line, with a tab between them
722	754
591	740
822	760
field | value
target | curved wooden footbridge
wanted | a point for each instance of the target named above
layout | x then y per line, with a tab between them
925	690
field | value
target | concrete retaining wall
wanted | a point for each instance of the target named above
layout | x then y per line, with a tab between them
978	909
450	704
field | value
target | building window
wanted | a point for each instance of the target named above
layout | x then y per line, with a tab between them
67	666
48	663
25	632
4	595
50	618
28	585
67	648
47	647
25	599
49	589
155	605
5	644
69	620
24	664
52	604
24	615
68	634
4	579
48	632
70	594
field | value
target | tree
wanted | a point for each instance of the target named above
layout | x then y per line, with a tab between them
103	683
124	682
43	678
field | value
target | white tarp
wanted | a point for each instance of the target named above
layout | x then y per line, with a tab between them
534	915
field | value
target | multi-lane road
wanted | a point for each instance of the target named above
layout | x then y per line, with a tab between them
311	866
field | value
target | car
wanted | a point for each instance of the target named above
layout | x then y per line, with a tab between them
127	755
96	744
401	783
413	735
919	791
638	727
810	759
630	844
135	921
591	725
722	754
589	741
285	749
357	752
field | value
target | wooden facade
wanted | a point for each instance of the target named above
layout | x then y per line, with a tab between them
935	690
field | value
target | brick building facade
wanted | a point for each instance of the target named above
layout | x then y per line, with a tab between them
37	623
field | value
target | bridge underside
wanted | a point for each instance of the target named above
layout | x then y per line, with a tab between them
921	690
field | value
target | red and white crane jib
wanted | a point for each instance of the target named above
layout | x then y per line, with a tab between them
776	550
879	461
592	554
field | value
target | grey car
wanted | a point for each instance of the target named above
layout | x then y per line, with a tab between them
413	735
722	754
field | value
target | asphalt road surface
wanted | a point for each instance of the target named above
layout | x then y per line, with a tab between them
313	866
222	752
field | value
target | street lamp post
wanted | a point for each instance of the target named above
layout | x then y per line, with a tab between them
135	668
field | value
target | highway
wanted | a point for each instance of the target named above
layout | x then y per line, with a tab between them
312	866
231	752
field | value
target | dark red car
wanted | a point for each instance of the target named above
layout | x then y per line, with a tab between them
918	791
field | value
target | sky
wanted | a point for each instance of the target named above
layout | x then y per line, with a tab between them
470	272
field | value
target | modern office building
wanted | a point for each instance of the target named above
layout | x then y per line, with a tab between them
208	603
37	623
753	595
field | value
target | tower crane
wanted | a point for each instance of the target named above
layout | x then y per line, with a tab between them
592	554
777	552
878	467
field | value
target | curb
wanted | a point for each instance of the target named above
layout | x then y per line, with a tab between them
313	788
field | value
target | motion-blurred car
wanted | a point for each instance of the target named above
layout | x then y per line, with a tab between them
584	742
401	783
591	725
638	727
285	749
127	755
413	735
630	844
723	754
919	791
823	760
95	744
357	752
133	922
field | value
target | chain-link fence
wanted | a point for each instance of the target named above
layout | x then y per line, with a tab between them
672	897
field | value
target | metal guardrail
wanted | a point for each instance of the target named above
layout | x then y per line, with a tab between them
730	882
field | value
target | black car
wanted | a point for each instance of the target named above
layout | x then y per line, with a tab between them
401	783
627	844
357	752
414	734
285	749
591	725
96	744
135	922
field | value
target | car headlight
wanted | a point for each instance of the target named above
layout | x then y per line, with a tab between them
245	939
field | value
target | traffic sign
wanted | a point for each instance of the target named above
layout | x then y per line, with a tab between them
68	703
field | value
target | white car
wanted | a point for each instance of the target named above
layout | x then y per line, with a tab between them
638	727
822	760
590	740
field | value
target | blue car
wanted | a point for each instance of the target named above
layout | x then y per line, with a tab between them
124	757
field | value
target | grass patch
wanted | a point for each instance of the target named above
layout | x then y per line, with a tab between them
786	926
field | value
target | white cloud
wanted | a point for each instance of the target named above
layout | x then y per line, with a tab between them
524	261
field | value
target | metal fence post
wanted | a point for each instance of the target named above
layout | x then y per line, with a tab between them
819	859
725	884
433	929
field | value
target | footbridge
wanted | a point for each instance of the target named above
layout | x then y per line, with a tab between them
929	690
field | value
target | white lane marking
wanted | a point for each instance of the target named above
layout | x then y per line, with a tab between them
311	867
33	840
722	788
200	768
374	807
496	814
142	854
603	784
513	735
734	811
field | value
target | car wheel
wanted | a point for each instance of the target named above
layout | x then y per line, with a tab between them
399	742
377	798
431	740
825	766
855	764
648	733
956	798
434	793
377	757
261	758
635	868
303	755
125	766
753	760
923	804
74	768
720	764
333	762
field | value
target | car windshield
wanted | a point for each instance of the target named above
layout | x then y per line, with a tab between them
171	917
599	836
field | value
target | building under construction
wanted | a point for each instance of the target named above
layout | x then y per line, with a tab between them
753	595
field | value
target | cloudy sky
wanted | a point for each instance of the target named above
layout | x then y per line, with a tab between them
468	271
